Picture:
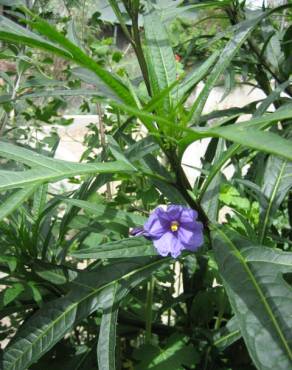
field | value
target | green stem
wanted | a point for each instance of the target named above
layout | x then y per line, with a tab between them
234	149
139	53
149	302
183	185
220	314
132	9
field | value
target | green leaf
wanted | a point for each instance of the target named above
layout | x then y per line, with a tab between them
255	139
139	149
39	201
72	34
125	248
228	335
101	93
225	58
117	151
275	94
194	77
10	294
26	156
108	213
49	169
159	52
219	163
12	2
265	121
170	10
246	133
15	200
107	334
243	31
276	184
93	290
260	298
10	260
91	78
11	180
176	353
36	294
55	274
11	31
210	197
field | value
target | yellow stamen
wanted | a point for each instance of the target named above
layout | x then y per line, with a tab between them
174	226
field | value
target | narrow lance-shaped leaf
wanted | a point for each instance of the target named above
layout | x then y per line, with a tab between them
117	151
275	94
172	10
225	58
47	169
264	141
107	212
227	335
39	200
260	298
13	32
12	180
160	54
194	77
60	45
218	164
125	248
243	31
210	198
245	133
93	290
277	182
107	334
248	134
81	58
15	200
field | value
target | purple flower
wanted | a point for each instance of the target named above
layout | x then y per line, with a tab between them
173	230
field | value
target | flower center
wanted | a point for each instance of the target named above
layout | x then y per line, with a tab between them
174	226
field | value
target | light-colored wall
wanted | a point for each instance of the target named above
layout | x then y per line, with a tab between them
239	97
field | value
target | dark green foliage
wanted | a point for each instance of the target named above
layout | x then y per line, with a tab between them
79	292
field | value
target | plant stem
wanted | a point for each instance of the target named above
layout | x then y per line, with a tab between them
220	314
149	302
133	12
4	117
103	145
183	185
139	52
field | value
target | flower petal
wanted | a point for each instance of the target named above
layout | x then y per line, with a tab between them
168	243
156	225
188	218
137	231
174	212
191	239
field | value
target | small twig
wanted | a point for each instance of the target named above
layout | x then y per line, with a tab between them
13	96
103	144
149	302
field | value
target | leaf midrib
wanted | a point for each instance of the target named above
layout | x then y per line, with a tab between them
73	306
167	79
271	202
103	250
32	176
258	289
226	337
